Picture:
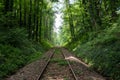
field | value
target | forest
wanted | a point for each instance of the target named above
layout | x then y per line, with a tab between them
90	29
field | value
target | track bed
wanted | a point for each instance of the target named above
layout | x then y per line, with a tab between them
58	68
56	64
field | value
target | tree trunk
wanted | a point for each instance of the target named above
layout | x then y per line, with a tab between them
41	14
25	16
29	21
20	7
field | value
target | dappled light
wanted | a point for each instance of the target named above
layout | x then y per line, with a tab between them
89	29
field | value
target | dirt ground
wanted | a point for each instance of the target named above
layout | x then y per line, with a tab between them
55	71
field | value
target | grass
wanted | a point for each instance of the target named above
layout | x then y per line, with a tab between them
57	51
59	61
102	53
78	72
11	59
16	51
63	63
35	56
66	79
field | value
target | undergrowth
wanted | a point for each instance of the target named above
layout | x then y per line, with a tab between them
16	50
59	61
102	52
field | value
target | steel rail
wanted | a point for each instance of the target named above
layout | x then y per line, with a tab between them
45	66
70	67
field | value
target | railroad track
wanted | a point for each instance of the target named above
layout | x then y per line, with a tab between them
47	69
41	73
47	65
70	67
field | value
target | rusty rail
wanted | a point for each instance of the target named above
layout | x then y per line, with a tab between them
70	67
72	71
45	66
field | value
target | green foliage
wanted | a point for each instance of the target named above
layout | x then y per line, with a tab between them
55	60
54	0
103	58
57	51
59	61
63	63
46	44
35	56
18	21
8	20
10	59
16	37
95	34
16	50
102	52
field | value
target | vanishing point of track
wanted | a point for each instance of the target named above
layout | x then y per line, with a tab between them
48	61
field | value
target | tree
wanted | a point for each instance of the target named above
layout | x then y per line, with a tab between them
8	5
70	16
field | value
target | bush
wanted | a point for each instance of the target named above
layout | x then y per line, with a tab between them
16	50
16	37
10	59
102	53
